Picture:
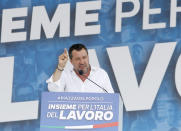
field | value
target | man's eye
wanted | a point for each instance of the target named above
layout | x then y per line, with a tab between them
77	59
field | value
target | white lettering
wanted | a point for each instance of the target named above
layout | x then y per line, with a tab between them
146	16
120	14
18	110
173	14
142	97
61	18
82	18
8	25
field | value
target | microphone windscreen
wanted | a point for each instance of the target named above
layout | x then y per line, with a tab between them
81	72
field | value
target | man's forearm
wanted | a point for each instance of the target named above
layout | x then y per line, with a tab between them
57	75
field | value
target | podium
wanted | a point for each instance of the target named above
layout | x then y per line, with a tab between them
61	111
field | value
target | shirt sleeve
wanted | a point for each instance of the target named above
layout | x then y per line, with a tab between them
107	84
57	86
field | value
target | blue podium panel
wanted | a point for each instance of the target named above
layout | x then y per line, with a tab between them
79	111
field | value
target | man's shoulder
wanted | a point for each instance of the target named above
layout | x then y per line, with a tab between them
98	70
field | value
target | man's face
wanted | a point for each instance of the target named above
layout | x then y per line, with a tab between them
80	60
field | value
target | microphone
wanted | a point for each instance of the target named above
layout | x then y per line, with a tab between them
82	74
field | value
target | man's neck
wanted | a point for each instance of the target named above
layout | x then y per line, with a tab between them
84	76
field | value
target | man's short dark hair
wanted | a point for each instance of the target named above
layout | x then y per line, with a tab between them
76	47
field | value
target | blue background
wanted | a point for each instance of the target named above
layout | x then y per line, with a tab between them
36	60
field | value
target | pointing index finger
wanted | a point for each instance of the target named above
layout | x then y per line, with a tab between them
65	52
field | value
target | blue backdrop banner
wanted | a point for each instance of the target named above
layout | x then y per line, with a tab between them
137	42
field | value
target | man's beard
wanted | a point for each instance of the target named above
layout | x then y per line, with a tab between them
85	70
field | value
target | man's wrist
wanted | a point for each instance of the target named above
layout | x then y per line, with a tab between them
60	69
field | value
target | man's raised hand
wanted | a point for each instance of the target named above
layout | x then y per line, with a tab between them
63	58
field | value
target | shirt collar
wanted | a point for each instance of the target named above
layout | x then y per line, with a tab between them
93	68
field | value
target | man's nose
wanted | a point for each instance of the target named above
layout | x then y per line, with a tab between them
81	61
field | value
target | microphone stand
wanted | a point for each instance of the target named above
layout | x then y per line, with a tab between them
82	74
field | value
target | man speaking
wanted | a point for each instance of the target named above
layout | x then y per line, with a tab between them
82	77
